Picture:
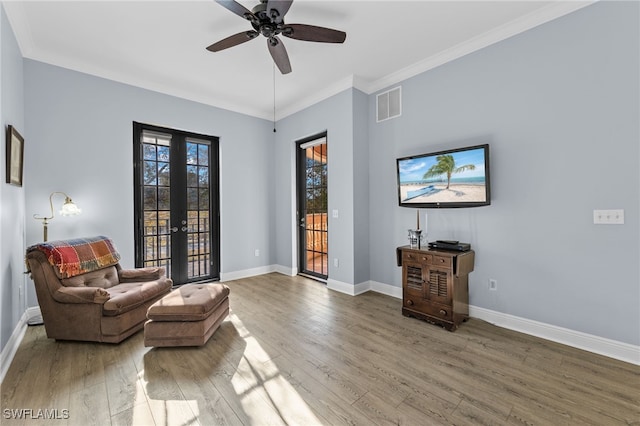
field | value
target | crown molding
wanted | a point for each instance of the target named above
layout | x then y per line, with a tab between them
14	10
314	98
503	32
20	25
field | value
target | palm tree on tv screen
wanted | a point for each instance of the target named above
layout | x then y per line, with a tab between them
446	164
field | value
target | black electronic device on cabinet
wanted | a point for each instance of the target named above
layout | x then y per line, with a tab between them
449	245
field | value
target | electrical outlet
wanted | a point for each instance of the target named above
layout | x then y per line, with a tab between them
257	253
493	284
335	262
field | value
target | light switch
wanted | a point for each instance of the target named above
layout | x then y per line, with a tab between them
608	217
334	213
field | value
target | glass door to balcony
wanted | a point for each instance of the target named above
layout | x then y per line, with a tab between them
312	189
176	203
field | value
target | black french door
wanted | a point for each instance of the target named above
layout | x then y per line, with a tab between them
176	204
313	232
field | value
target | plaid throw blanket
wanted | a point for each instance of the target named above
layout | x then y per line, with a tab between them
78	256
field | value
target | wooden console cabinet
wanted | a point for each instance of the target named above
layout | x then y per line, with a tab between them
435	285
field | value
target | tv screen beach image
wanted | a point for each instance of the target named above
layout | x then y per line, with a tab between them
443	178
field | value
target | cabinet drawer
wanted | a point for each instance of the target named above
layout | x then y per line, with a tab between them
442	312
416	257
411	301
442	261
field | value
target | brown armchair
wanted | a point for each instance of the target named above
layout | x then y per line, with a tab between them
98	300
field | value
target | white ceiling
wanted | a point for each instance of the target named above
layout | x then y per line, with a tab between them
160	45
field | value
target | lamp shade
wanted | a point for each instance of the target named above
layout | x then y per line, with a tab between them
69	209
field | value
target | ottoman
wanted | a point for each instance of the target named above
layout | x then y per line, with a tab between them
187	316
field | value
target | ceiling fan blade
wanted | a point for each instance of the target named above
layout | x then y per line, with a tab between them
233	40
279	54
280	6
313	33
237	8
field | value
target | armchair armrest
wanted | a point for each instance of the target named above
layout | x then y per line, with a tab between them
81	295
140	274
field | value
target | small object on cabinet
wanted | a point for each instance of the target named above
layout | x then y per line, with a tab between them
415	238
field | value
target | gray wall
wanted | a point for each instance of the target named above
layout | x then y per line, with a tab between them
12	212
361	193
81	142
559	106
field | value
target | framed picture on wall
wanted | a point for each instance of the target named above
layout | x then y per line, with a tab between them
15	156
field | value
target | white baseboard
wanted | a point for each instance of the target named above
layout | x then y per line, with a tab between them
363	287
285	270
389	290
10	349
34	316
346	288
588	342
246	273
340	286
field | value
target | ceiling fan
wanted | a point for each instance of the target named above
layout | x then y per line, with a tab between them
267	18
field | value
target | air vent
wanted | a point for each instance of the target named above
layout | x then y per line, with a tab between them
389	104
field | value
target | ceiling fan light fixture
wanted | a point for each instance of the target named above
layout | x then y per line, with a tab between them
267	18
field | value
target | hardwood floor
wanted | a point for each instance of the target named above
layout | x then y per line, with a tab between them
293	352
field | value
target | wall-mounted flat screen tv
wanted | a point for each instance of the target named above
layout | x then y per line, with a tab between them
452	178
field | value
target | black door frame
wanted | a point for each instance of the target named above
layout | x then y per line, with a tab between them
178	152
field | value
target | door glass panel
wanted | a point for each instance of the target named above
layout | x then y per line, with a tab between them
164	176
156	201
198	208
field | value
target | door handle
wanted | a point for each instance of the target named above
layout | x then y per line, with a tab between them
183	229
174	229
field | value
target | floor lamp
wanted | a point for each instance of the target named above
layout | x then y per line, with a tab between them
68	209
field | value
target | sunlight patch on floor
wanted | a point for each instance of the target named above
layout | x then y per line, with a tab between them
162	412
257	376
259	392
